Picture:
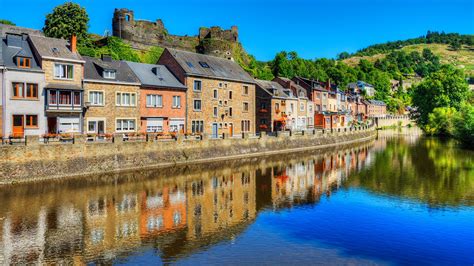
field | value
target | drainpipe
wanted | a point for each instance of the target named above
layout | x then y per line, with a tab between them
4	100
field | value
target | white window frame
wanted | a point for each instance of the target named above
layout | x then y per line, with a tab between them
125	119
200	85
121	99
65	73
89	97
194	106
158	101
215	111
176	103
109	74
243	107
197	123
96	120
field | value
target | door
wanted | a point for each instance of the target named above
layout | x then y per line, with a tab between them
231	129
100	127
52	123
214	130
18	125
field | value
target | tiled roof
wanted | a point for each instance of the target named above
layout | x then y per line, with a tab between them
4	29
155	75
202	65
94	67
13	45
52	47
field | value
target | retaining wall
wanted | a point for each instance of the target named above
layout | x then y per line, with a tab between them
38	161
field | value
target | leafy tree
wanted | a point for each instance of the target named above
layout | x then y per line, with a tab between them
343	55
441	121
65	20
7	22
444	88
464	125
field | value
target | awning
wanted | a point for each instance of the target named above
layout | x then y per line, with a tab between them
59	86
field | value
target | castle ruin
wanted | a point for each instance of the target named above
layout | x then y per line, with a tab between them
142	34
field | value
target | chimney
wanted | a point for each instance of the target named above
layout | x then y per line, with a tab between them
74	43
106	58
328	84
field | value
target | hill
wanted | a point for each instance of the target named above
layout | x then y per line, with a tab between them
462	58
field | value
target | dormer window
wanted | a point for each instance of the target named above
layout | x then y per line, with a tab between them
23	62
109	74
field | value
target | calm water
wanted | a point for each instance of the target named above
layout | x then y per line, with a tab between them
399	200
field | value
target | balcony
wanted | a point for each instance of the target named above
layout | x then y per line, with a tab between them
64	100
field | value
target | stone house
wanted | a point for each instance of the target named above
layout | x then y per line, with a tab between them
63	68
272	102
21	85
361	87
111	93
162	99
376	108
220	95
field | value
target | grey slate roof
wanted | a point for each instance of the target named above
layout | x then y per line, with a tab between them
94	67
376	102
4	29
155	75
13	45
52	47
274	89
220	68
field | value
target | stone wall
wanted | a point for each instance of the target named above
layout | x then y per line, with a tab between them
38	161
388	121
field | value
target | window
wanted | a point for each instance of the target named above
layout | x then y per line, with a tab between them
277	107
318	95
31	121
125	125
153	100
77	98
263	121
245	125
215	111
230	111
96	97
154	125
126	99
215	94
197	105
263	105
246	90
197	126
176	101
292	108
65	97
109	74
197	85
230	95
62	71
52	97
32	91
246	107
220	84
23	62
18	90
301	106
204	64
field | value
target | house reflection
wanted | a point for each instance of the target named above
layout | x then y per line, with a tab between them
176	216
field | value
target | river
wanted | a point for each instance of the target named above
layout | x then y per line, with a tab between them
401	199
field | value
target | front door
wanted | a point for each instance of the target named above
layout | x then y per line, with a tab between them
52	125
214	130
231	129
18	126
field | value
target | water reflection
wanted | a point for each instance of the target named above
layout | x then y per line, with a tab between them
181	211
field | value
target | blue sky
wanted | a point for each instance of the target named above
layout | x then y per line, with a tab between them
318	28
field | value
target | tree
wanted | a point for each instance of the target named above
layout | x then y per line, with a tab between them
343	55
65	20
7	22
441	121
444	88
464	125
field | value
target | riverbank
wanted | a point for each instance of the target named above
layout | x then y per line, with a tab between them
39	161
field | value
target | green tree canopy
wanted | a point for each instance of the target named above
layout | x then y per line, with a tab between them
444	88
7	22
65	20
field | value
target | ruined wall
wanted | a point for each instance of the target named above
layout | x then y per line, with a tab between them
142	34
37	161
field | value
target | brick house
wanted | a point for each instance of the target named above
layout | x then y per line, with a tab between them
111	93
220	95
272	103
376	108
63	68
22	86
162	99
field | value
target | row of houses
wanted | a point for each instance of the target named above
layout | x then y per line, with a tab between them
47	87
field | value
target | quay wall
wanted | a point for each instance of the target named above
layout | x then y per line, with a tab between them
35	160
389	121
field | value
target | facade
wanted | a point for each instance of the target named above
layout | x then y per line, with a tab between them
111	96
22	85
273	106
162	99
376	108
63	92
304	108
361	87
220	95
